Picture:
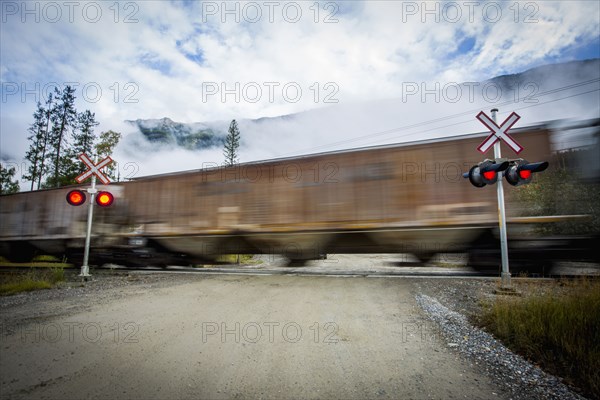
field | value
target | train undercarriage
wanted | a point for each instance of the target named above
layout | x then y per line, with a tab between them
480	243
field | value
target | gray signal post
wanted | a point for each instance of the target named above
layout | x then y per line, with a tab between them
85	268
505	275
93	171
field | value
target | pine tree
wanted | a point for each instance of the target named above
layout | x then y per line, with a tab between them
232	144
84	138
83	142
44	154
7	185
36	150
64	118
104	148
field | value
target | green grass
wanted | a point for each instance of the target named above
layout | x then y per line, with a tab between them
448	265
233	258
32	280
47	265
46	258
244	259
26	285
559	329
57	275
38	261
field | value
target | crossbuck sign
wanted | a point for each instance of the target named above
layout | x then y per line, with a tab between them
94	169
499	132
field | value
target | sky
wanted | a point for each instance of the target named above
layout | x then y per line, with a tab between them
207	61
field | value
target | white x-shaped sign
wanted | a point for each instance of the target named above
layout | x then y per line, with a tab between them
499	132
94	169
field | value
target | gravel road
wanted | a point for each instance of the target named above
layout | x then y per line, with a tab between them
177	336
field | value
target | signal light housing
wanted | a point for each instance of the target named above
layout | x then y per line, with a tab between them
485	173
104	199
76	197
521	171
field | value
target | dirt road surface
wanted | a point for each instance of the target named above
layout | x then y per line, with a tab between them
224	336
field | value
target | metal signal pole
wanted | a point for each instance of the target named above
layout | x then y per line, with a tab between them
505	276
85	269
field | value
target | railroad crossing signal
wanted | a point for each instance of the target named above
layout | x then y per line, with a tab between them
517	172
521	171
499	132
485	173
103	199
76	197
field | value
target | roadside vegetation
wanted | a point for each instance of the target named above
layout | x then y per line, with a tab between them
557	328
34	279
38	261
236	259
44	272
562	191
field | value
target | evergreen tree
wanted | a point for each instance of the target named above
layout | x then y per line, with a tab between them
232	144
83	142
50	150
64	118
44	162
84	138
104	148
36	150
6	180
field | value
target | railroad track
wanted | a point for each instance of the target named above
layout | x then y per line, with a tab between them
424	272
103	270
306	271
397	271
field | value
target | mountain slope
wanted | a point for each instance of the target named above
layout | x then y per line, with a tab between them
434	110
164	131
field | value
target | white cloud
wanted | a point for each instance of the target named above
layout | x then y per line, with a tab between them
373	49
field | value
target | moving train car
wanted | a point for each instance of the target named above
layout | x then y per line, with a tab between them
403	198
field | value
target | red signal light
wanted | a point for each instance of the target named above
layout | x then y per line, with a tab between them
104	199
521	171
485	173
524	174
76	197
489	175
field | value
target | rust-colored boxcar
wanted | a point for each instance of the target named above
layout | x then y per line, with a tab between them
405	198
399	198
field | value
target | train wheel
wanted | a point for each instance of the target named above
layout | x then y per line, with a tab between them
425	258
297	262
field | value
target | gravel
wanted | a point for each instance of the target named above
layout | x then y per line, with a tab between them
522	379
450	303
75	295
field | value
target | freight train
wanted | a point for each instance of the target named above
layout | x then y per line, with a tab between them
402	198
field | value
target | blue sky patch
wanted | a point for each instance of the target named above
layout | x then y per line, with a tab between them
154	62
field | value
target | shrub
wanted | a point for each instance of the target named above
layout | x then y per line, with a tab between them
560	332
